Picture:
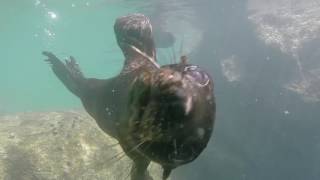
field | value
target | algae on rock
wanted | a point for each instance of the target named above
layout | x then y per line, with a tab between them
60	145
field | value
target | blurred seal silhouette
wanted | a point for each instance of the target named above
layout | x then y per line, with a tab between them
162	114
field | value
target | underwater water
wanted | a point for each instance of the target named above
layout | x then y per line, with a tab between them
63	27
264	57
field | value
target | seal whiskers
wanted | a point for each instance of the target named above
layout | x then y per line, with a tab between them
122	154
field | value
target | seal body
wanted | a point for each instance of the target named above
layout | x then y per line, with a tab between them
162	114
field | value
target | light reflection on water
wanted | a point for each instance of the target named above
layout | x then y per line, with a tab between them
81	29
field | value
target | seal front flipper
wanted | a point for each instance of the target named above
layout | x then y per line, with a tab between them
69	73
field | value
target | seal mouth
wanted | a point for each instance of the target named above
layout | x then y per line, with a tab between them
169	153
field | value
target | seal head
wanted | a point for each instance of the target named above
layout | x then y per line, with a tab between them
172	111
134	30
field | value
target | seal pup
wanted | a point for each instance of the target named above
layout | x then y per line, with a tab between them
162	114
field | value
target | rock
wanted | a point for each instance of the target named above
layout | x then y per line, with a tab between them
287	24
60	145
293	27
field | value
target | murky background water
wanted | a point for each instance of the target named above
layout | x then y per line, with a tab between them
264	56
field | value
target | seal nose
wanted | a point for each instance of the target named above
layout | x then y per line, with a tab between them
198	76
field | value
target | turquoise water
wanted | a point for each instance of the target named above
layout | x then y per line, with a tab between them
83	29
264	130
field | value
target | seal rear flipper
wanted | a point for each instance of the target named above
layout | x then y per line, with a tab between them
166	172
139	170
69	73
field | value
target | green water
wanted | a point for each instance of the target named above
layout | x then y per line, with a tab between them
83	29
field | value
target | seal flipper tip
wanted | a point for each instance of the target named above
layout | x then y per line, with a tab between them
69	73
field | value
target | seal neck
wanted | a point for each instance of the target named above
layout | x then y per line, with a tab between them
135	58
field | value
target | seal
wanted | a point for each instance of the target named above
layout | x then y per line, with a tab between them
162	114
